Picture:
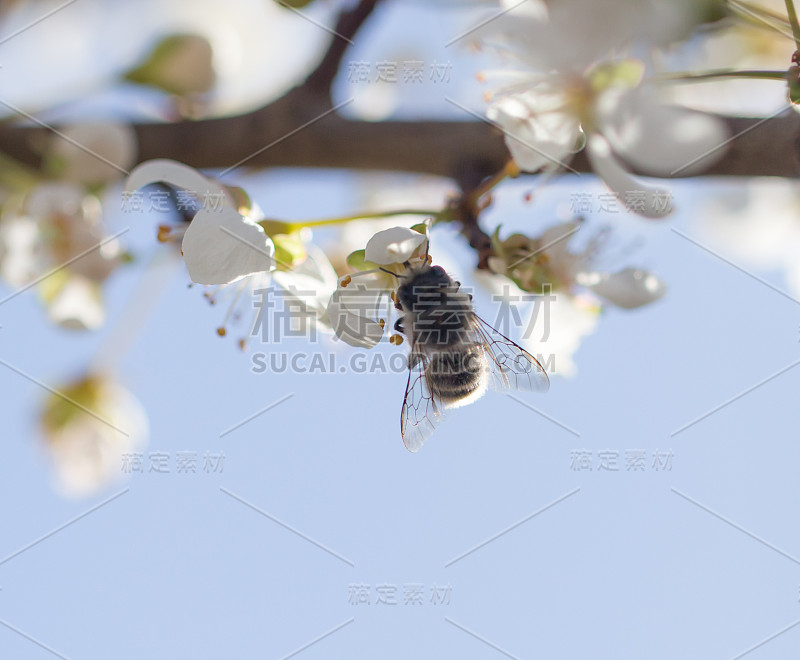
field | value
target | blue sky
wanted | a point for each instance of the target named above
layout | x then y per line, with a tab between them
698	561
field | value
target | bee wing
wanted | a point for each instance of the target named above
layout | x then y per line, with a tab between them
511	366
422	411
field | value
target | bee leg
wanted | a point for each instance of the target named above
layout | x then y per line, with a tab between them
398	326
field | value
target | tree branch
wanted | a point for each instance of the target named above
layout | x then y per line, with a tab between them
349	23
262	138
301	130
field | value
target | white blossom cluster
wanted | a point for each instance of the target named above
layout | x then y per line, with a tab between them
569	76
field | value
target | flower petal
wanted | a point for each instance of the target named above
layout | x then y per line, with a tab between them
629	288
220	247
175	174
537	132
88	451
393	246
659	138
645	200
347	314
311	283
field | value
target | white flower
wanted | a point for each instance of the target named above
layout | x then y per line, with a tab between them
87	432
393	246
352	311
58	229
311	284
549	119
541	130
224	245
570	88
220	245
56	223
93	154
355	308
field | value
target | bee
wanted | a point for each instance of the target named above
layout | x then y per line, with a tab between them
455	355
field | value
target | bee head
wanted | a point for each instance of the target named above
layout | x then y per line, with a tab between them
421	282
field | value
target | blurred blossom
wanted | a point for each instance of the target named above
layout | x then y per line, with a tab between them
101	41
573	34
92	154
73	301
57	227
534	263
567	88
757	223
553	328
88	430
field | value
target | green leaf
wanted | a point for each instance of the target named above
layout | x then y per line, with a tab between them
180	64
358	262
289	251
294	4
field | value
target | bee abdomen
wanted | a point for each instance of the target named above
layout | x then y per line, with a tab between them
458	377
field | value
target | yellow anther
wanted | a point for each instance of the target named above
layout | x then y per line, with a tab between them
243	344
396	340
346	281
164	232
382	323
221	331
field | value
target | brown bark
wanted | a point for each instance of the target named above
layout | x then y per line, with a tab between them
294	131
